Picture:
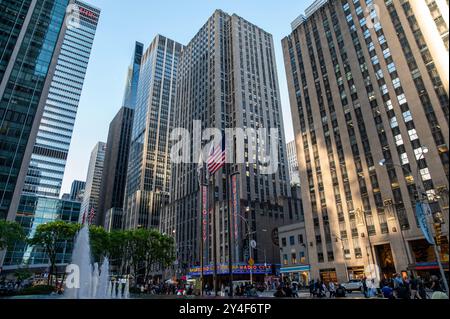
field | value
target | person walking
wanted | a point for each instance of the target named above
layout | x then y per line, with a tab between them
294	290
421	290
311	289
436	287
413	287
364	282
332	289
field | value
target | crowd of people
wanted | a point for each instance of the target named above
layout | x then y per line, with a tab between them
411	287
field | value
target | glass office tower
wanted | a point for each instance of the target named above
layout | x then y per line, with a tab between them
148	175
29	34
49	157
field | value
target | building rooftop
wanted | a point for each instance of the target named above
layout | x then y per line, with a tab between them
309	11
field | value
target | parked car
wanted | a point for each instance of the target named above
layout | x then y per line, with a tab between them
353	285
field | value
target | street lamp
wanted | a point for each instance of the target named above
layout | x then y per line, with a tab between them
250	248
343	253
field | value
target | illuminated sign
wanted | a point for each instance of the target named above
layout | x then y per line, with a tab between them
87	13
238	269
205	212
235	204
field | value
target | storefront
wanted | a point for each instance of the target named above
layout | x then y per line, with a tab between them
356	273
300	274
425	259
328	275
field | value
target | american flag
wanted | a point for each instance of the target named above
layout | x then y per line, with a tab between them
91	216
217	158
84	218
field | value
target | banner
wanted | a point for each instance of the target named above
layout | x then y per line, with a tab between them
205	213
421	212
235	204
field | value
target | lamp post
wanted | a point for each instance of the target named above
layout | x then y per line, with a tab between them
422	198
249	233
343	253
361	212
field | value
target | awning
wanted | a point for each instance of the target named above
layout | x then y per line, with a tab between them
303	268
428	266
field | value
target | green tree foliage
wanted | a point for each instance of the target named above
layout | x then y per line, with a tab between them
100	243
52	237
10	232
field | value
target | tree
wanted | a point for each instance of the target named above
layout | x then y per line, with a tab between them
23	273
139	249
52	237
10	232
118	251
99	240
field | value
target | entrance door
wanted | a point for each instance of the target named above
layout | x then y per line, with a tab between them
386	260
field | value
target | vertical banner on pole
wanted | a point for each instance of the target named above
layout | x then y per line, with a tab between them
235	201
205	213
422	210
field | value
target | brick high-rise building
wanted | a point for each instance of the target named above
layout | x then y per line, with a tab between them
368	83
227	78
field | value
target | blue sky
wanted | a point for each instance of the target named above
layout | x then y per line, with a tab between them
124	22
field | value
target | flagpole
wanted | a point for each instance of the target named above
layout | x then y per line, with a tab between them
230	236
216	283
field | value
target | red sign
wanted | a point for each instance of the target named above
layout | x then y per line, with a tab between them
87	13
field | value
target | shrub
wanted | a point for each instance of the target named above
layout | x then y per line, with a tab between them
37	290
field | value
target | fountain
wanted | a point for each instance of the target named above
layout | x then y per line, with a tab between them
94	282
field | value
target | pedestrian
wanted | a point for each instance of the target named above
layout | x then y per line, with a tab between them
398	282
413	287
294	290
364	282
436	287
340	292
422	292
332	289
311	289
387	292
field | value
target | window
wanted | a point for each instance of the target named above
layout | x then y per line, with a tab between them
425	173
402	99
292	240
407	116
283	242
294	258
300	239
285	260
394	122
392	68
398	140
404	159
413	135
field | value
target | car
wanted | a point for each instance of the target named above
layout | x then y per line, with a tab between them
353	285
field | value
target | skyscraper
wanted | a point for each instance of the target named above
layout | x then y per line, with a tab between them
367	86
149	168
112	192
48	160
30	36
293	163
77	190
131	88
227	78
49	142
93	181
